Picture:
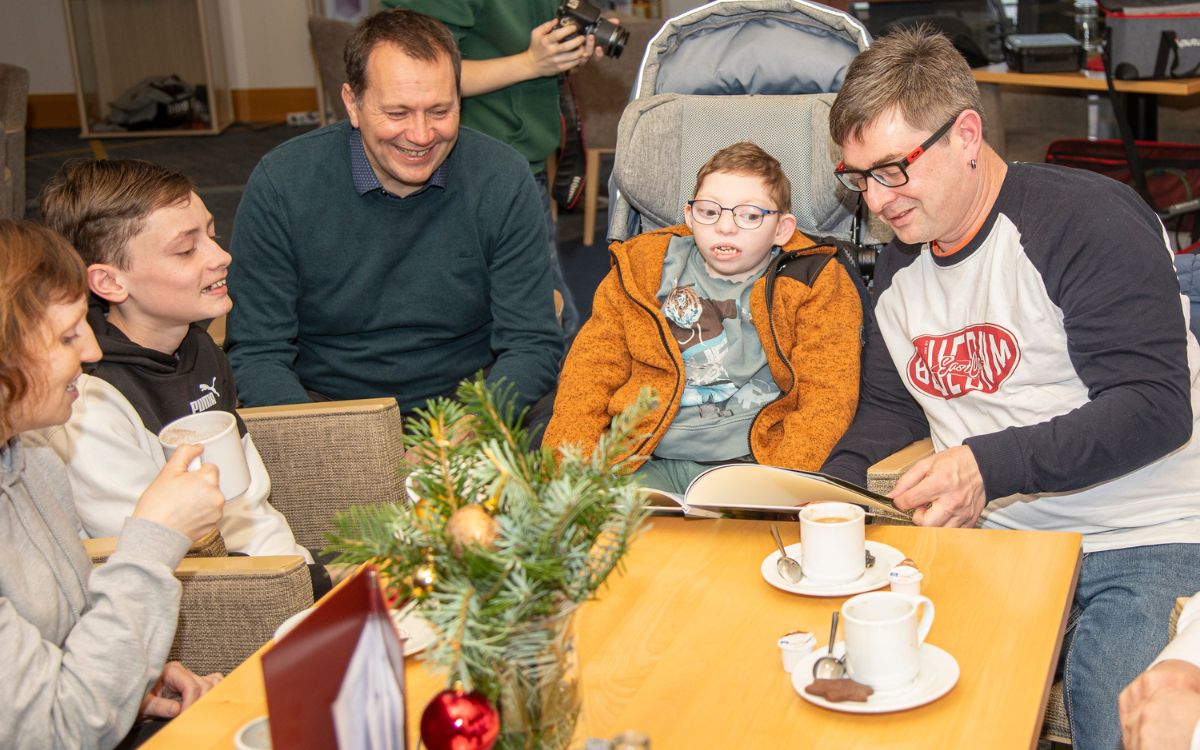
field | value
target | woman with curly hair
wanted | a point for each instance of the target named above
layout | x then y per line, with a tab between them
83	649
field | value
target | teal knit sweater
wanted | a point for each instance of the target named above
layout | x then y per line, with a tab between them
358	296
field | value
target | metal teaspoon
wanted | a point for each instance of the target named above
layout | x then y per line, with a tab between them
830	667
788	567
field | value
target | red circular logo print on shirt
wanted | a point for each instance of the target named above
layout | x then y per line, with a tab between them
976	358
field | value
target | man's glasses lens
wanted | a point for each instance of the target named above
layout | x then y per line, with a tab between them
893	174
889	175
745	216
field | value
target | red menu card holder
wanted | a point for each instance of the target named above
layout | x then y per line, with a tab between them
303	671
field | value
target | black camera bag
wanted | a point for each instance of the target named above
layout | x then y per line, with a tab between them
1153	38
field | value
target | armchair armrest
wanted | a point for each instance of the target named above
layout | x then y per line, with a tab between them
232	605
881	477
211	544
327	456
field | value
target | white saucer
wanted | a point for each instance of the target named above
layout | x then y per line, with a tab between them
886	558
939	672
415	631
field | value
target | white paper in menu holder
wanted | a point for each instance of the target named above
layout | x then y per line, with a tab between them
368	713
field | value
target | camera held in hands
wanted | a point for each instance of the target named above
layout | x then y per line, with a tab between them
610	37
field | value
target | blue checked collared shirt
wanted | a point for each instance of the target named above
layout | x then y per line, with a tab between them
365	179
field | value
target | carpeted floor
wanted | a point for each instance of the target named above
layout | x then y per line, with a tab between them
220	165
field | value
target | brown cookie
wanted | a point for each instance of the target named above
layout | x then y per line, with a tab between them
839	691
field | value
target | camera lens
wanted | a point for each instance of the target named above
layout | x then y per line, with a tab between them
610	37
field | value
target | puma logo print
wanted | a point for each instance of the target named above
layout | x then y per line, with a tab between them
209	398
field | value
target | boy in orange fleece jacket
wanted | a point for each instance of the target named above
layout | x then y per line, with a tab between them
747	330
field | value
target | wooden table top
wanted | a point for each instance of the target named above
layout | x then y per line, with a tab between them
1083	80
682	646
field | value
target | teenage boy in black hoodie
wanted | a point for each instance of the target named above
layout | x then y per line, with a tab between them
154	269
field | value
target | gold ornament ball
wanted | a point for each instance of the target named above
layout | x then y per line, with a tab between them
422	580
471	525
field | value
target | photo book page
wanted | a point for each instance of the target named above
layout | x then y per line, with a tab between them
753	487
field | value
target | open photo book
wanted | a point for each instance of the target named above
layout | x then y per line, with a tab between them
752	487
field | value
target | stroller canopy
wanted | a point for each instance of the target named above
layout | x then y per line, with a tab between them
732	47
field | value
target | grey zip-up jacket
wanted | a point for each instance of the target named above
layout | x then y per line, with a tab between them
79	647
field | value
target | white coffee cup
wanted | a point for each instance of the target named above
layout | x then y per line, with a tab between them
832	542
217	433
254	735
884	637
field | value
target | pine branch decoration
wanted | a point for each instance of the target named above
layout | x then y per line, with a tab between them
560	523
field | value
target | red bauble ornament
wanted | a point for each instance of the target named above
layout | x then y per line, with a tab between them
455	720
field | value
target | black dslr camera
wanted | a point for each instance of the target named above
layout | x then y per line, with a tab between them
609	36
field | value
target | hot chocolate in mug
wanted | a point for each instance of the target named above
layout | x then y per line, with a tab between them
217	432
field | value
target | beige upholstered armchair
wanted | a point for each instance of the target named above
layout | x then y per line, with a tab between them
327	456
322	458
881	477
230	605
14	100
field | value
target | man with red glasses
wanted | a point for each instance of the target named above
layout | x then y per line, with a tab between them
1028	319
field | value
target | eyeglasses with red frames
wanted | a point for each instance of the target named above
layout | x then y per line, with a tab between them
894	173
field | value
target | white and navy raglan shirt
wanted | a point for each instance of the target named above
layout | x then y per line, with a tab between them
1055	345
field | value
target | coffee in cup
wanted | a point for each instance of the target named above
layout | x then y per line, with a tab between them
832	542
884	637
217	433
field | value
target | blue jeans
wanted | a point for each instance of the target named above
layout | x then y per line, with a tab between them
1187	268
570	314
1117	625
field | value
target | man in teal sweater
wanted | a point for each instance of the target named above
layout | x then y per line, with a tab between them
393	254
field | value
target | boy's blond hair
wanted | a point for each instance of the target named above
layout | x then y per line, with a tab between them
748	158
99	206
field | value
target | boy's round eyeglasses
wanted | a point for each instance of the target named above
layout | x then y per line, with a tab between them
745	216
893	174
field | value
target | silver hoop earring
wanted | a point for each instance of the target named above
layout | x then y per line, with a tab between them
974	164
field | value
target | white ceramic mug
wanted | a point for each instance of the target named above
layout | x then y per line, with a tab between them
832	542
884	637
254	735
217	433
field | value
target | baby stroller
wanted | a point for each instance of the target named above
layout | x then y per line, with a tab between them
759	70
